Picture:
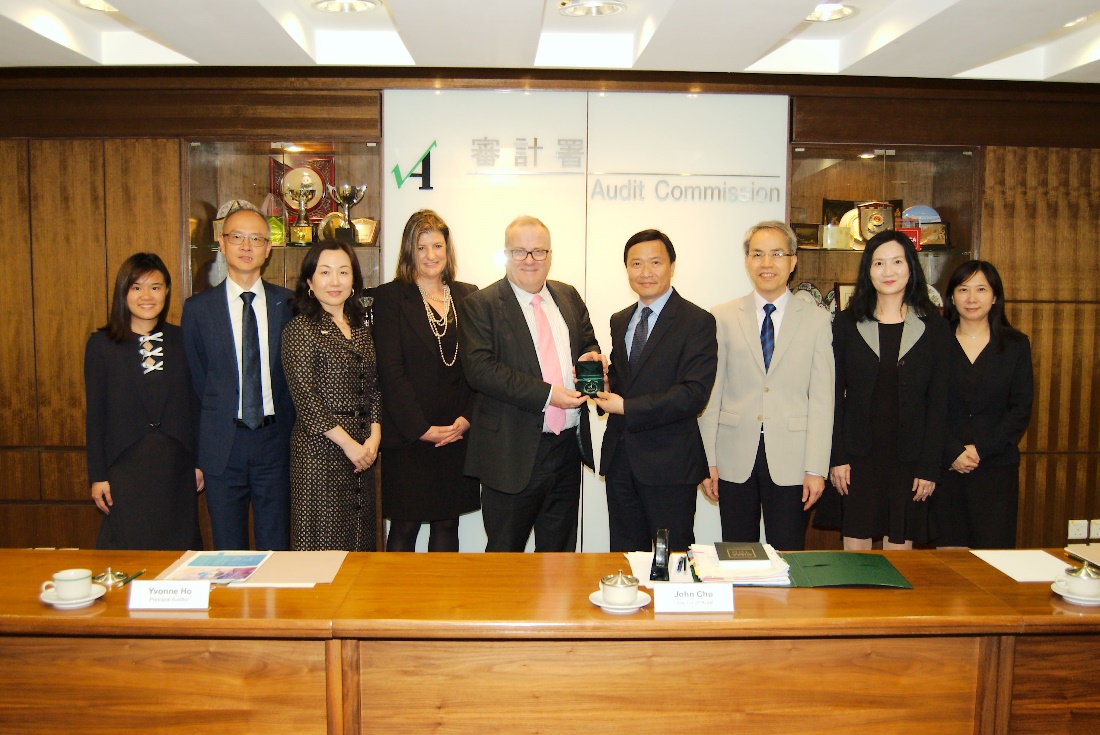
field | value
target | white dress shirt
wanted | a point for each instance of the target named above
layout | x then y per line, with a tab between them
236	317
560	331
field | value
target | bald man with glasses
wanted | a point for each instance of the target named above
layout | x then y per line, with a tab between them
529	432
232	336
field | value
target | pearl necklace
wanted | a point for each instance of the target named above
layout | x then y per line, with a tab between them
439	324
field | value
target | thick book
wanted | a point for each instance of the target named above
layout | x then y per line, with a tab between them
741	555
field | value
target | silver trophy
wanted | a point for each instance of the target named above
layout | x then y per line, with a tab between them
302	232
347	196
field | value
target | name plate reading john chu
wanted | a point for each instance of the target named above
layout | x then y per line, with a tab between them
692	598
160	595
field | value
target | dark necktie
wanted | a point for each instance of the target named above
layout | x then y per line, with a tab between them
641	334
767	335
252	396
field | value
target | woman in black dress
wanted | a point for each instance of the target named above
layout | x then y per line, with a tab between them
988	408
425	398
141	418
328	358
890	347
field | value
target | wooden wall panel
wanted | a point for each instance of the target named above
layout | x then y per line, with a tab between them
1040	225
1064	340
18	396
64	475
19	468
1041	222
940	121
143	209
1055	487
168	111
60	525
67	240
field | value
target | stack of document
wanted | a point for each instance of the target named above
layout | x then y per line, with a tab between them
704	564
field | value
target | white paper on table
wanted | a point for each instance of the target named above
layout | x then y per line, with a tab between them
1023	565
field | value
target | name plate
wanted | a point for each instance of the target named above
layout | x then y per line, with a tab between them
694	598
157	595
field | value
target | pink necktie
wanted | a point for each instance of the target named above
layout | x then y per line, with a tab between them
548	359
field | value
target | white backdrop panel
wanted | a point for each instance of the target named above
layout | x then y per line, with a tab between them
595	168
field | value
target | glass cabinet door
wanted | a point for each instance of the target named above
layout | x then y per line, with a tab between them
259	173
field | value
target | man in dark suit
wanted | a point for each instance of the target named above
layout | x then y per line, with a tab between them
664	355
233	340
529	430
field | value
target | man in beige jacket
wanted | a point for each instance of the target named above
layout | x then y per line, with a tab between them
768	426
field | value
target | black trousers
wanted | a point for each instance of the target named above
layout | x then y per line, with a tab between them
740	504
636	510
549	504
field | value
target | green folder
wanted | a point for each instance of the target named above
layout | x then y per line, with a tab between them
843	569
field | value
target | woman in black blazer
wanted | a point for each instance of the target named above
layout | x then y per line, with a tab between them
989	406
425	398
141	418
890	346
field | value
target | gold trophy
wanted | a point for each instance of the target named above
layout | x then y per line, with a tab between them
301	232
347	196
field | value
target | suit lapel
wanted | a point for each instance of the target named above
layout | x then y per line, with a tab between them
275	323
512	314
223	329
571	317
412	305
665	322
746	318
619	322
792	318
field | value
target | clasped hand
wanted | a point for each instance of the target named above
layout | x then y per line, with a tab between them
967	461
562	397
442	435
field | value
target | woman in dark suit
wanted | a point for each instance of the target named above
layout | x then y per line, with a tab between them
141	418
890	347
328	358
425	398
989	406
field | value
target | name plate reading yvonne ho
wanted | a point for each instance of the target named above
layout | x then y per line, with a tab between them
692	597
162	595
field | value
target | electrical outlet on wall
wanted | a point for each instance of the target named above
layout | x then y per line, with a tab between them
1094	529
1078	530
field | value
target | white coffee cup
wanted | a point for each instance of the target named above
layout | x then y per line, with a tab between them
1079	586
70	584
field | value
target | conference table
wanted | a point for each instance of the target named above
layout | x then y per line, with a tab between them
508	643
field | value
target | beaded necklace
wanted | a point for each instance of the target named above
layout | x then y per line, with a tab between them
439	324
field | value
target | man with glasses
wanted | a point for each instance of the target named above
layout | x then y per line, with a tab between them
768	427
519	339
232	335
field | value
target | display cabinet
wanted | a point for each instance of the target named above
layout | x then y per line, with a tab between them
826	181
219	172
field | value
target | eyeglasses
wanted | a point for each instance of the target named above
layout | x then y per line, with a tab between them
236	238
520	254
776	255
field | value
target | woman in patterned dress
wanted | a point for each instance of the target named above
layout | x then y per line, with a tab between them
328	358
141	418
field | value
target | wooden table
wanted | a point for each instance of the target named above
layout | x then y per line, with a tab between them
505	643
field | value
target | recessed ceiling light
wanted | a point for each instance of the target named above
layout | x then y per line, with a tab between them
866	155
1079	21
590	8
825	12
345	6
100	5
293	148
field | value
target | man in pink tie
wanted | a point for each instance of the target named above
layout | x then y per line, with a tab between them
529	434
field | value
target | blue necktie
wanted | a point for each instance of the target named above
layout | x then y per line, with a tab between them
641	334
767	336
252	397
